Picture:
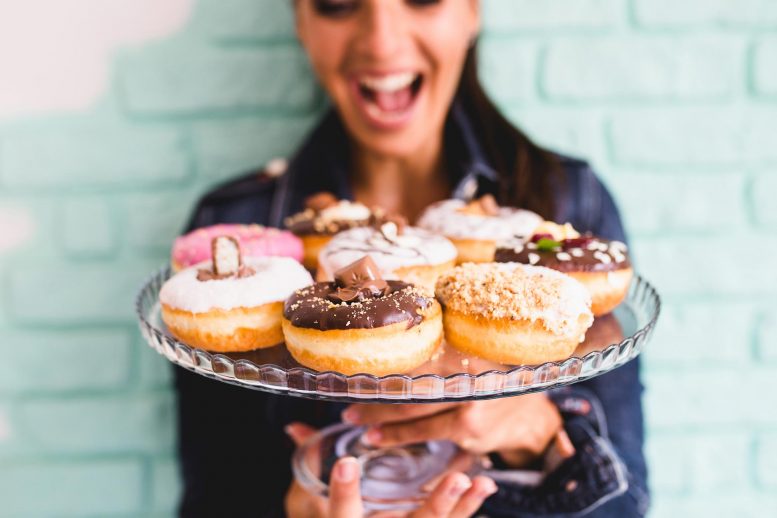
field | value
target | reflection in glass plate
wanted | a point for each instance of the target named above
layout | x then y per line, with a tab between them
451	376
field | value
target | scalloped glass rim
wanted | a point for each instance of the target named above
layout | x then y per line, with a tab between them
642	299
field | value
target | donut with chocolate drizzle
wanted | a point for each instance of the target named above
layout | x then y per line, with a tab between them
361	322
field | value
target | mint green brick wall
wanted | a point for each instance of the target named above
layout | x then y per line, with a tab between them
674	102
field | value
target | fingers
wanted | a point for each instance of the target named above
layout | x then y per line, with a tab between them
473	498
436	427
299	432
377	414
457	497
444	497
564	444
344	494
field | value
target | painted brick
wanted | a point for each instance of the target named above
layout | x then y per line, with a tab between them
765	66
192	79
764	206
57	361
670	471
158	217
521	15
767	337
226	149
571	131
154	371
645	68
105	424
100	156
79	294
694	265
88	226
507	68
669	13
744	504
681	202
244	19
710	397
692	463
165	485
706	334
34	220
83	488
712	137
766	461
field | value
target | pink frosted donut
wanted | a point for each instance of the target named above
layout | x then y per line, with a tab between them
255	241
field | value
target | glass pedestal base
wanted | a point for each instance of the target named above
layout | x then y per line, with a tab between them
393	479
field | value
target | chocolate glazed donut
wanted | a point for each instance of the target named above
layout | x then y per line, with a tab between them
602	266
361	323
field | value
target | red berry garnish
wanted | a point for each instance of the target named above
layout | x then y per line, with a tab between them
536	237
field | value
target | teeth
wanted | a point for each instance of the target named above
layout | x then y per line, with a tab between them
389	83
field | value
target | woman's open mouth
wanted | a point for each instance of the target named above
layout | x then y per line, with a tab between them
387	100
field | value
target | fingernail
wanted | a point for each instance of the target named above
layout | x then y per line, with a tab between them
373	436
459	487
488	489
289	429
346	470
350	416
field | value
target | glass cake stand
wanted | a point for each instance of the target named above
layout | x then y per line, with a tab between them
398	478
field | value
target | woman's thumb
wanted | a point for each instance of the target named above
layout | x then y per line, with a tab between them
344	494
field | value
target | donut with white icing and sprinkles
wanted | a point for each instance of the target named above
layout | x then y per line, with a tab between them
476	227
601	265
410	254
324	216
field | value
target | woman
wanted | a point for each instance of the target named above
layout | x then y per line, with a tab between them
411	125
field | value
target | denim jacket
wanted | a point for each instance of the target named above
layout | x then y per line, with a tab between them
234	455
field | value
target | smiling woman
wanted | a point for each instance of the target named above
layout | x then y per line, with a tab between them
410	126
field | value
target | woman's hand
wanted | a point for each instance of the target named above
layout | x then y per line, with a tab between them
456	496
518	428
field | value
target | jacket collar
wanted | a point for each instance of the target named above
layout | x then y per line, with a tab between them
321	164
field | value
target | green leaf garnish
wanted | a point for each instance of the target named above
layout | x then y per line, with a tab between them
547	245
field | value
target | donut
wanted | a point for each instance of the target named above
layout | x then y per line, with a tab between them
255	241
601	265
234	308
323	217
410	254
360	323
512	313
477	226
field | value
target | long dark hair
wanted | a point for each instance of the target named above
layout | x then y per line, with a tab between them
528	173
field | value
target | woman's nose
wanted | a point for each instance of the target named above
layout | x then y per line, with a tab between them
383	28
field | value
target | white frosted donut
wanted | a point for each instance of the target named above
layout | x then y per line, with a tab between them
275	279
409	252
233	313
446	218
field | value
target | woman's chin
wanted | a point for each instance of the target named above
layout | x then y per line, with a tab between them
400	142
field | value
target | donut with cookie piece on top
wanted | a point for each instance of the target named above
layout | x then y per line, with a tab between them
601	265
361	323
254	241
232	303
